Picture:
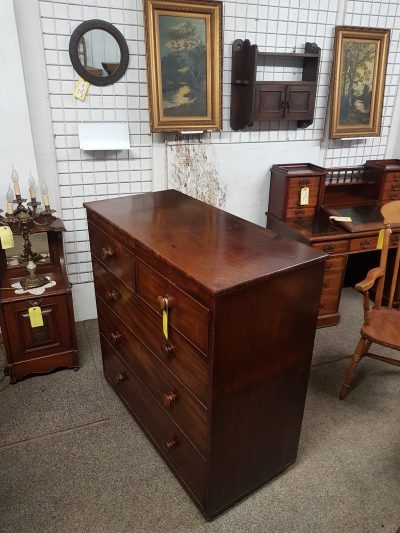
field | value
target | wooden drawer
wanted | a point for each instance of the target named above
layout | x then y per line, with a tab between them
113	255
390	195
332	280
335	262
55	336
329	302
170	393
391	185
363	243
294	201
300	212
298	183
112	291
181	455
185	314
332	247
392	177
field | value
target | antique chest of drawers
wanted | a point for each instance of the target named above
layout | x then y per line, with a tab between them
221	393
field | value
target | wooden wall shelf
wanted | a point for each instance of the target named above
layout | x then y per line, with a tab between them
253	100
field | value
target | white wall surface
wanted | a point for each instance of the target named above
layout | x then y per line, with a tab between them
16	144
230	169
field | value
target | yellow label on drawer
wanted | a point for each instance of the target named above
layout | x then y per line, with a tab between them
6	237
36	317
165	323
304	196
381	236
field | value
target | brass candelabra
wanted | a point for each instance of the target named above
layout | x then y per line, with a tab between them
20	220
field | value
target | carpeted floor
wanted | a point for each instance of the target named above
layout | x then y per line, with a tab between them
73	460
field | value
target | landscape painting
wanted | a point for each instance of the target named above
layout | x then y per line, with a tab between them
184	64
358	78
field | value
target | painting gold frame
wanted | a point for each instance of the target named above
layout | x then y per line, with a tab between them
358	81
178	101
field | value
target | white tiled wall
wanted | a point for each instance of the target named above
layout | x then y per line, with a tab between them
274	25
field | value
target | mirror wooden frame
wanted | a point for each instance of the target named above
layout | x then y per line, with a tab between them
77	34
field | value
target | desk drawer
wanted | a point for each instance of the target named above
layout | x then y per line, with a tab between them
329	302
113	255
185	314
332	280
363	243
294	201
332	247
170	441
311	182
390	195
174	398
300	212
337	261
112	291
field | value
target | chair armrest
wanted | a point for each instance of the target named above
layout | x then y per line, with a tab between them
369	281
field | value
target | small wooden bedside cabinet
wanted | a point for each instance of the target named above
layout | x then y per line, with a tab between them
53	345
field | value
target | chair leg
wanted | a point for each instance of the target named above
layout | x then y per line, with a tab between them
362	348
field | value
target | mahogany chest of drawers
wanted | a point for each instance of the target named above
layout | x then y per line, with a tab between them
222	397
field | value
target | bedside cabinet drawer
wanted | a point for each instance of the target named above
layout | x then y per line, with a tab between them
113	255
55	336
185	314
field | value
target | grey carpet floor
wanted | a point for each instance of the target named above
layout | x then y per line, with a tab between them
73	460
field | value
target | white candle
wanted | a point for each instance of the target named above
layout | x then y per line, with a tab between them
32	188
15	179
10	198
45	194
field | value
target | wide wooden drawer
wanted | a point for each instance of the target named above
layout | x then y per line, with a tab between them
332	247
172	395
300	212
298	183
185	314
113	255
335	262
182	456
363	243
332	280
113	291
54	337
329	302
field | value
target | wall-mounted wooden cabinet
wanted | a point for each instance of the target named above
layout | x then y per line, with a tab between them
253	100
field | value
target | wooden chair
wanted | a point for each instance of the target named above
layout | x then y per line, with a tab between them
381	324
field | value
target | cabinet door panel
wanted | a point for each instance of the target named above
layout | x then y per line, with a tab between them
270	99
300	102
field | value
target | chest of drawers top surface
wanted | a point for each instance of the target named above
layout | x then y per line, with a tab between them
221	251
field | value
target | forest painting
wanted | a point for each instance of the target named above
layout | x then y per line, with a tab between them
358	79
184	64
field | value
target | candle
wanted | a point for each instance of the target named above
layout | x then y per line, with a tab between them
10	198
45	194
32	188
15	179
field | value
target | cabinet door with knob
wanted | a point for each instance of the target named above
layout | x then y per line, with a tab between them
285	101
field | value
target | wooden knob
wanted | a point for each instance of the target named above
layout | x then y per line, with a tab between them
119	378
168	349
111	296
115	337
169	399
107	251
170	444
163	301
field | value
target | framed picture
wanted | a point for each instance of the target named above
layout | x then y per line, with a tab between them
184	64
358	81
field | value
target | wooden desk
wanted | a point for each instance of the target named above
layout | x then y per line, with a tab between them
358	192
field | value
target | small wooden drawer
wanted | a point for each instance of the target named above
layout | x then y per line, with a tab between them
112	291
390	195
332	280
172	396
298	183
294	201
185	314
391	185
363	243
300	212
329	302
332	247
392	177
113	255
178	451
55	336
335	262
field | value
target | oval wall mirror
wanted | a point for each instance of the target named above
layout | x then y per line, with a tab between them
98	52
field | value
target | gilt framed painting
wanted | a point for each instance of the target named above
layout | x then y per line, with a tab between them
184	64
358	81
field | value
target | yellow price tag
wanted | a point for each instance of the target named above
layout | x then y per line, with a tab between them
81	88
6	237
304	196
381	236
36	317
165	323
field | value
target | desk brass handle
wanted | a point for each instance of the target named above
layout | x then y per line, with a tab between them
107	252
329	248
366	243
170	444
168	349
304	183
169	399
395	186
300	212
164	301
394	195
115	337
396	177
111	296
119	378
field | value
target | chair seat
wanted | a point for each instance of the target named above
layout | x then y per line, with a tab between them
384	328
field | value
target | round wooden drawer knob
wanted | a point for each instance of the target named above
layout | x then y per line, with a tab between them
168	350
115	337
171	444
169	399
107	252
